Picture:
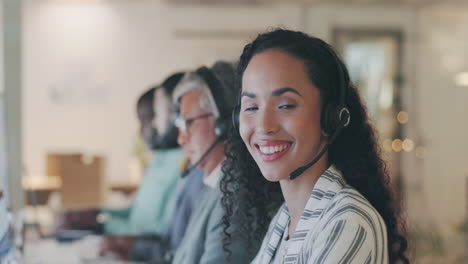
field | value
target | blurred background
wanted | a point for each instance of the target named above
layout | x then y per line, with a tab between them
72	70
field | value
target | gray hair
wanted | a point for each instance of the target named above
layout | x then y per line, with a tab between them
193	82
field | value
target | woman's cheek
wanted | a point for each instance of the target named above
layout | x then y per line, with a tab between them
245	130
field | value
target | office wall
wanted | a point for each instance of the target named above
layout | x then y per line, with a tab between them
442	53
85	64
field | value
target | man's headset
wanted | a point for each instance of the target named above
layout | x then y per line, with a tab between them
334	118
220	96
219	93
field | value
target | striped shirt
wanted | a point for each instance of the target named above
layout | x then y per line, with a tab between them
338	225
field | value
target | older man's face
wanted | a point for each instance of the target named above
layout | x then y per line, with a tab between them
199	132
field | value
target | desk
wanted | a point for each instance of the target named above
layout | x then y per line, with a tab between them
38	196
126	189
38	189
49	251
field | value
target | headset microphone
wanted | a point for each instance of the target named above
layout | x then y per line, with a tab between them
344	122
212	146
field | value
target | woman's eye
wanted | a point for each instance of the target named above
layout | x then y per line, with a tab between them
248	109
287	106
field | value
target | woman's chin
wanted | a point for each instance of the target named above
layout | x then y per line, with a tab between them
274	176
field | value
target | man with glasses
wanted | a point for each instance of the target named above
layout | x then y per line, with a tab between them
205	99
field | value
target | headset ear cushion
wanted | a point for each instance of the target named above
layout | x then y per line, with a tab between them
235	117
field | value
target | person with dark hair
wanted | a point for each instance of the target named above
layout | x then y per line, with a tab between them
155	200
164	133
145	114
303	156
205	98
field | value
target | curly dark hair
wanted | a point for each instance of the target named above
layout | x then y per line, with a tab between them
249	198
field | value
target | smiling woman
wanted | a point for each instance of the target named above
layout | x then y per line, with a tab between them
303	136
280	109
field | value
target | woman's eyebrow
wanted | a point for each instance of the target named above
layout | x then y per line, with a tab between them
250	95
283	90
275	93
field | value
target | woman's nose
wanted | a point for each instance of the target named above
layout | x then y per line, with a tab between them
268	122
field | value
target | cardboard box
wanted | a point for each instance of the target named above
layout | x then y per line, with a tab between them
82	179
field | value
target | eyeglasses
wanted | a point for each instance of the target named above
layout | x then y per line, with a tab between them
185	124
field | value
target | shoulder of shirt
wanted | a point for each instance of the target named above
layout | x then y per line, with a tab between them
173	155
351	205
343	198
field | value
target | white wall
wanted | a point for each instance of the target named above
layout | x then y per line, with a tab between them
103	55
442	53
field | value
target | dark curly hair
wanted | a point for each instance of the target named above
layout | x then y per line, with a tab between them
252	200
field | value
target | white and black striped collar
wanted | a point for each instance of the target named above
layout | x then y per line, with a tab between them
326	187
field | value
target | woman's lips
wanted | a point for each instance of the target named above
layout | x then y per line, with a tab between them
272	151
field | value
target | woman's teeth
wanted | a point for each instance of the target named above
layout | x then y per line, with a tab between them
273	149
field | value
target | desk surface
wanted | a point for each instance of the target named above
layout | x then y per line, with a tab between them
125	188
49	251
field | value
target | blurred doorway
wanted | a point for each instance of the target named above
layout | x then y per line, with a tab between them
374	61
